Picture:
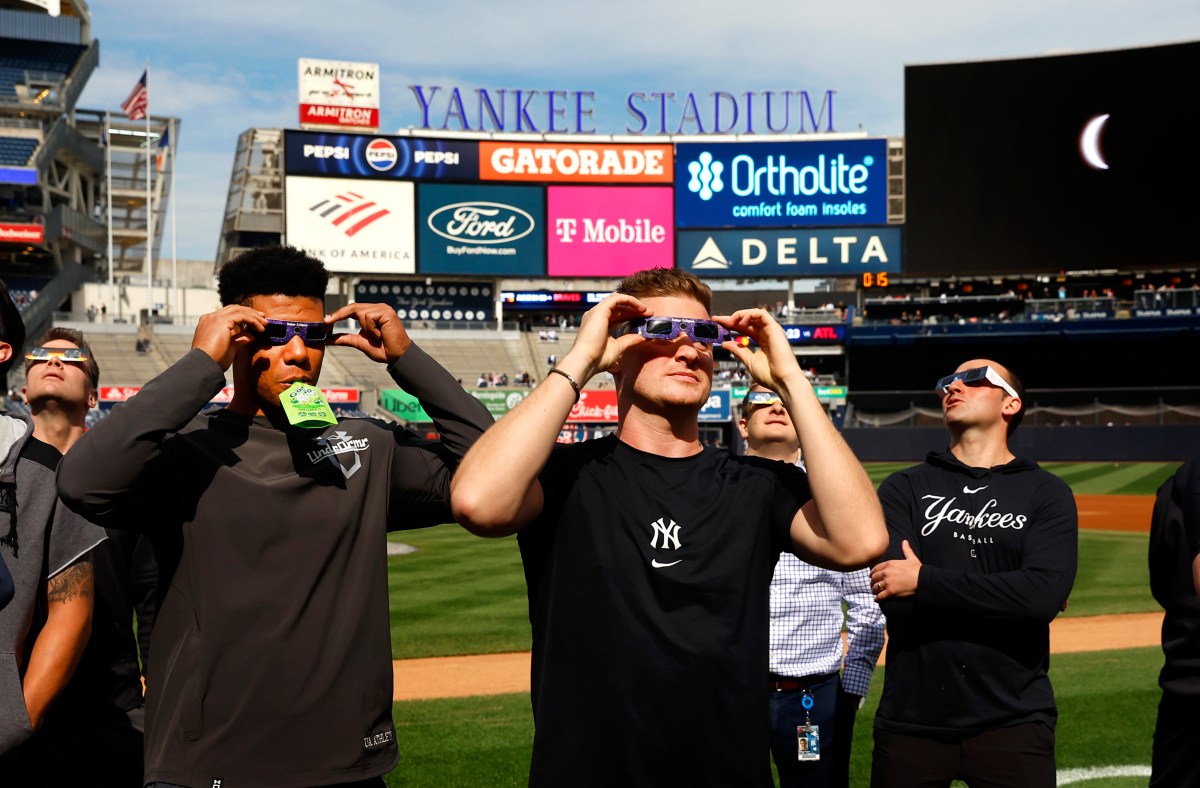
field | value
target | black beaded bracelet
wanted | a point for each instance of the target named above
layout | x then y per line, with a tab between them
574	383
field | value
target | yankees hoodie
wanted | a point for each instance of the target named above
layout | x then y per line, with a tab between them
970	650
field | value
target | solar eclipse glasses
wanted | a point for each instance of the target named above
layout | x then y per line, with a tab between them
667	328
280	332
762	398
70	354
975	377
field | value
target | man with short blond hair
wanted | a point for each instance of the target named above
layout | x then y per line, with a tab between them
648	556
982	557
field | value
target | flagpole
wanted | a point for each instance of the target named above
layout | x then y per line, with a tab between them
175	307
149	207
112	307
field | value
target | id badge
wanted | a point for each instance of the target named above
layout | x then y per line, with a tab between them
809	742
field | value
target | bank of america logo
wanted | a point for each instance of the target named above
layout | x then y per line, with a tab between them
706	176
350	209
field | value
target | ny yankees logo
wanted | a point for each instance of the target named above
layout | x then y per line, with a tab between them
670	538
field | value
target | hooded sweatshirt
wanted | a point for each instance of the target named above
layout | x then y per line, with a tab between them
970	650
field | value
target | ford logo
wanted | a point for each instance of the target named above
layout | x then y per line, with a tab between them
481	222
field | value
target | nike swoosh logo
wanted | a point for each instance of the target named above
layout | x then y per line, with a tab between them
655	563
969	491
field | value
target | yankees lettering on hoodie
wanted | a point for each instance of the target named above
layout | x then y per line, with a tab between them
970	650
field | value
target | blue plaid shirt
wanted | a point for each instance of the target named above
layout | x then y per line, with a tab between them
806	623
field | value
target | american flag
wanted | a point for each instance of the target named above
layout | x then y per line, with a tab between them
139	100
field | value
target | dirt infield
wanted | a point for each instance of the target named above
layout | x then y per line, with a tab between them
1115	512
495	674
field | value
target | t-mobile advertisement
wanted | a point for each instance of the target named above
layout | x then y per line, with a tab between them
608	230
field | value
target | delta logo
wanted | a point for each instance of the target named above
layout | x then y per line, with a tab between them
350	212
381	155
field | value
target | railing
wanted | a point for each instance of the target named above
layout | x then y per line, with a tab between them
78	78
1166	299
1070	308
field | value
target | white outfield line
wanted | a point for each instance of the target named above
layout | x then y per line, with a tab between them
1087	774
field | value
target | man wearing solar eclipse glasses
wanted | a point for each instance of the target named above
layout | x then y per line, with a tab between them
271	657
648	556
982	558
45	546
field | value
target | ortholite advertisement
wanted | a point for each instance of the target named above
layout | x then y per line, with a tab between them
781	184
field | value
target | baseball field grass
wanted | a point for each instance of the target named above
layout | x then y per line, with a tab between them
460	594
485	741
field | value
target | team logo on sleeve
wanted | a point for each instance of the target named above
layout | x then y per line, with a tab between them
339	443
668	531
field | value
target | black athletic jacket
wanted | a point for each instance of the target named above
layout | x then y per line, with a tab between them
970	650
1171	553
271	658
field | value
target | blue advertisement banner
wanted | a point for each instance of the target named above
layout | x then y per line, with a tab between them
785	253
470	302
718	406
491	230
815	335
781	184
342	155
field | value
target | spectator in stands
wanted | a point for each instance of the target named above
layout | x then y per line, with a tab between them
99	718
46	548
808	685
271	659
982	558
1174	571
668	546
481	382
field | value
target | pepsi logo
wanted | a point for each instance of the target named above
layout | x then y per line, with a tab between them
381	155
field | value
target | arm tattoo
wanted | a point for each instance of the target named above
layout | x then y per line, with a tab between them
74	581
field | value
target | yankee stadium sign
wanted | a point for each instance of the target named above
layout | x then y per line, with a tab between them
651	112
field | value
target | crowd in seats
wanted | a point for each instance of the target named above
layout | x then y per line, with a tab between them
24	289
501	380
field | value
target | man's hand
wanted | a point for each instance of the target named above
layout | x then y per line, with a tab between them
595	350
898	577
773	363
381	336
221	333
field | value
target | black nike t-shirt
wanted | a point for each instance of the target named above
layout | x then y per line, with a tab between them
648	593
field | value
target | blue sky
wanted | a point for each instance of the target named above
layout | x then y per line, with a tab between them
224	67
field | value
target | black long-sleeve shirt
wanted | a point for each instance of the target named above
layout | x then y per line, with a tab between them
1172	531
271	658
970	650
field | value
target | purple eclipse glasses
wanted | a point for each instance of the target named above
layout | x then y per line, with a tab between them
667	328
280	332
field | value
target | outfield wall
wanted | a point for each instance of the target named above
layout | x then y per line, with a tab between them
1044	444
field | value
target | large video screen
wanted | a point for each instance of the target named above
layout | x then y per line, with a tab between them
1067	162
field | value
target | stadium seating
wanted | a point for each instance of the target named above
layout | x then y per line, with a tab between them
15	151
39	55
